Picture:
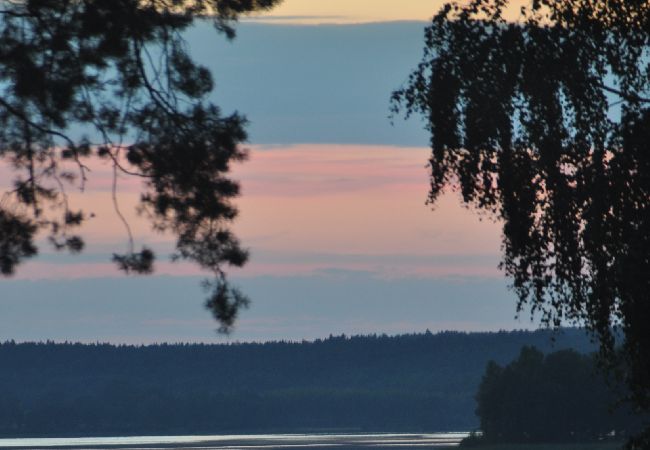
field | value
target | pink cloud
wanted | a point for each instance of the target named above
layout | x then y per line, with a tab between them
37	270
307	199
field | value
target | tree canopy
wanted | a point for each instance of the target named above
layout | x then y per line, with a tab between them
549	398
118	70
544	123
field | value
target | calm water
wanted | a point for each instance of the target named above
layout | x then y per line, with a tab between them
244	442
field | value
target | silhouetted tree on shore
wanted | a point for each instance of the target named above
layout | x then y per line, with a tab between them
557	397
544	123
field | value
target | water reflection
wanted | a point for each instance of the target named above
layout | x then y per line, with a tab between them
241	442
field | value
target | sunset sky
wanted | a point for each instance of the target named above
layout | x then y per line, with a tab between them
345	11
360	11
333	206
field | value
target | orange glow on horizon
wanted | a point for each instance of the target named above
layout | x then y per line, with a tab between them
360	11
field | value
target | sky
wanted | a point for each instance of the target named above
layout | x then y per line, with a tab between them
315	12
333	205
345	11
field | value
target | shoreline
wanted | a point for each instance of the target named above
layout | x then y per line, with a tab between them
323	441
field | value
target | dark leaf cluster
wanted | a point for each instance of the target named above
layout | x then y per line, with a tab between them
120	71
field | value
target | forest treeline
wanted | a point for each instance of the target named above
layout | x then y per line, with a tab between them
558	397
417	382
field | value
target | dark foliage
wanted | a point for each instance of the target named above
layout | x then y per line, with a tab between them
555	398
374	383
545	124
119	71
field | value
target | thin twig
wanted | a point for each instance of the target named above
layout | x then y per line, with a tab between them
116	207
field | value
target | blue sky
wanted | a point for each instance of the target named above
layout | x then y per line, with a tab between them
316	84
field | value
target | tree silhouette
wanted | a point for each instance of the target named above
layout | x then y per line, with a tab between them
545	124
556	398
118	70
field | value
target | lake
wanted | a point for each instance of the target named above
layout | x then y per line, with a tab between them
243	442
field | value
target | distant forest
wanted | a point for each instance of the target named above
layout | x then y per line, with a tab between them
418	382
